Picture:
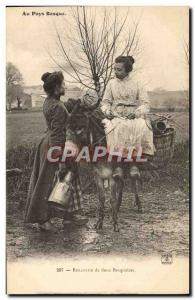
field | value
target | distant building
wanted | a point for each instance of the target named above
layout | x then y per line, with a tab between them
72	92
26	101
37	100
37	95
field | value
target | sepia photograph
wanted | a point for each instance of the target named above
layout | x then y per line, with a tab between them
98	150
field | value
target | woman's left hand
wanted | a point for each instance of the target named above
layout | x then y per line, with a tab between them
141	111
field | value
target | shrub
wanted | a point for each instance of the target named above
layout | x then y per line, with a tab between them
21	157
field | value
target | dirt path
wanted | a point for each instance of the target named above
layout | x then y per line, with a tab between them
162	227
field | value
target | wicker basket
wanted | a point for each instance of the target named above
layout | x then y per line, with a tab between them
164	144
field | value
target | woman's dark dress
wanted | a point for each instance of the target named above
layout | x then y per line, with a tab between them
43	170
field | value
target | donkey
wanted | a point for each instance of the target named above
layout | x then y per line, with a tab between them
84	128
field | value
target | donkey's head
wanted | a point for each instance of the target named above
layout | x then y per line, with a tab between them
84	126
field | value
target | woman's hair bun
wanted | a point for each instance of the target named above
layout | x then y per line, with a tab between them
45	76
131	59
128	62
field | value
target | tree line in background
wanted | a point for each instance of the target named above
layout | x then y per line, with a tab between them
14	86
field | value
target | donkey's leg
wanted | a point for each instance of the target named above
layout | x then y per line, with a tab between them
135	178
101	194
118	176
120	186
135	183
114	205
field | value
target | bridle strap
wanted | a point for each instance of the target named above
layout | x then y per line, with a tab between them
100	129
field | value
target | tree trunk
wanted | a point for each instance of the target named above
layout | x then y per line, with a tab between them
18	102
9	105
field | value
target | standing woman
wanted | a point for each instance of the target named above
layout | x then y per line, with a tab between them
37	208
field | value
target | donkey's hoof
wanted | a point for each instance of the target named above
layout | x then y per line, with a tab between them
98	225
116	228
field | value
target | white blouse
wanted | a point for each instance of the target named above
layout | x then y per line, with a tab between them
125	91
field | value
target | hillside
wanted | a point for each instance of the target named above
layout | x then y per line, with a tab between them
171	100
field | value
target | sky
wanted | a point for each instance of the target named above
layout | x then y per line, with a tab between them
163	32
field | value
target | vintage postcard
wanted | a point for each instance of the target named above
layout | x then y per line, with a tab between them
97	166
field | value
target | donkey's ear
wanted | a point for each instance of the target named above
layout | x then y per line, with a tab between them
70	103
76	106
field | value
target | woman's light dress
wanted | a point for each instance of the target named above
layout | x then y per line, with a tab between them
121	98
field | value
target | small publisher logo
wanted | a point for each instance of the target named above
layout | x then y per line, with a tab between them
167	258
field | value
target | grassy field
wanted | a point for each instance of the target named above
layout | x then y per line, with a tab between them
24	128
29	127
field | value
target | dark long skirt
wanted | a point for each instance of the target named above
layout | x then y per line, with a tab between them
41	183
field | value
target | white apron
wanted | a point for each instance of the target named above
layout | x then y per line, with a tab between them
129	134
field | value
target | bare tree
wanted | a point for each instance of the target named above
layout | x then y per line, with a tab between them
14	83
13	75
87	53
